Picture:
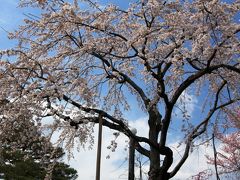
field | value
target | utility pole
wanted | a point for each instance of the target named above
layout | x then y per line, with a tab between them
99	148
131	162
140	170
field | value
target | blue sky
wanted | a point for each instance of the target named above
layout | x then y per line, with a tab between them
10	18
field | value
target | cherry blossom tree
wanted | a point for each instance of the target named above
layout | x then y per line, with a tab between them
78	61
25	153
227	158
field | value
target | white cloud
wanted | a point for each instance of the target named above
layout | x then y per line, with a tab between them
85	160
186	103
112	169
141	125
195	163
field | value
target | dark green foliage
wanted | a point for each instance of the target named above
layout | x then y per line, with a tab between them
63	172
25	154
17	167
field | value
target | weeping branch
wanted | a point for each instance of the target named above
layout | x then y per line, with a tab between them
215	157
201	128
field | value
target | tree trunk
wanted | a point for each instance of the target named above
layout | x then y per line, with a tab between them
154	153
156	172
154	165
159	175
131	174
163	176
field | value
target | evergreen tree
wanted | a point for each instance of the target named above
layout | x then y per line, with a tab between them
28	158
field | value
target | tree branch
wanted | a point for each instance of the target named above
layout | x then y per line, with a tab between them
195	133
215	157
120	123
126	78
